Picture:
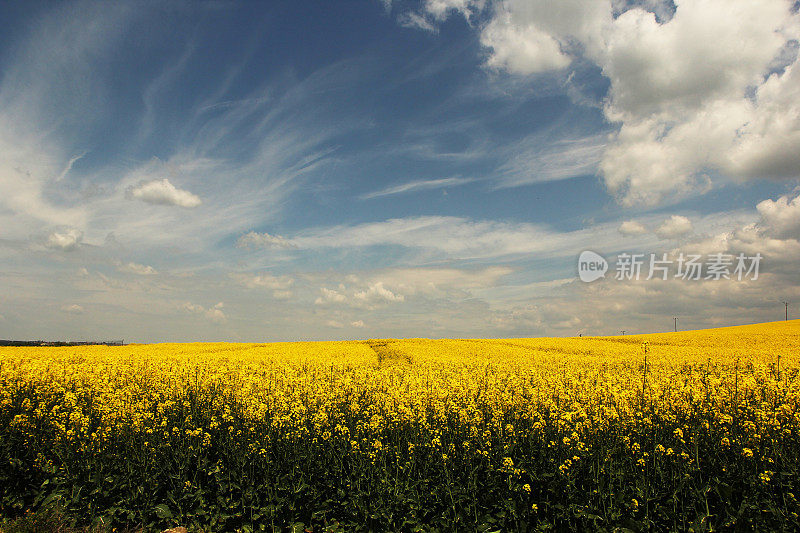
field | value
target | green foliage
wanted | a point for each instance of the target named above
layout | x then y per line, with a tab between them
630	476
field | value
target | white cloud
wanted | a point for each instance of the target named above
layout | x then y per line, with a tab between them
631	227
162	192
136	268
437	282
74	309
713	85
435	11
608	306
370	297
440	9
264	280
524	49
279	285
330	296
419	185
781	217
775	235
214	314
681	92
68	167
453	237
282	295
193	308
262	240
372	290
415	20
537	159
674	227
357	324
65	240
376	293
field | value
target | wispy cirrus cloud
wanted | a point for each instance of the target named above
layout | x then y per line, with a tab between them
417	185
536	160
455	237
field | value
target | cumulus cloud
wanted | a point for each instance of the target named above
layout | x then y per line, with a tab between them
162	192
674	227
262	240
781	217
370	297
279	285
398	285
357	324
214	314
775	235
66	240
631	227
331	296
440	9
377	293
136	268
524	49
609	305
711	85
193	308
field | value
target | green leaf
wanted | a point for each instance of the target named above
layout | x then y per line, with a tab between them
162	511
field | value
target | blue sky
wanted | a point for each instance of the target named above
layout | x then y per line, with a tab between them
324	170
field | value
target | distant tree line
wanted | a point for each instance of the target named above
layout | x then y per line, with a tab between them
61	343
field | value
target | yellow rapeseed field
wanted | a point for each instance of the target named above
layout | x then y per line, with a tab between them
674	428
